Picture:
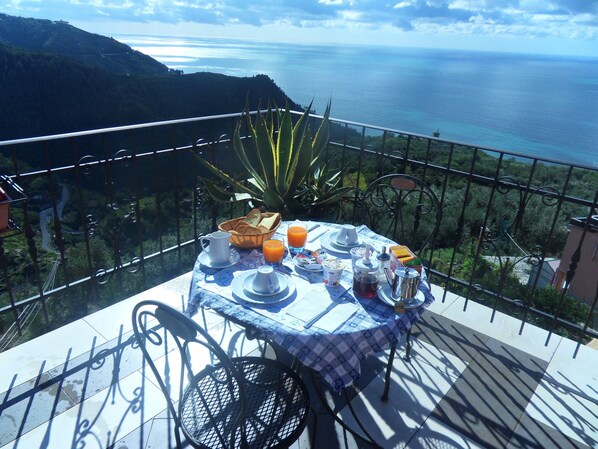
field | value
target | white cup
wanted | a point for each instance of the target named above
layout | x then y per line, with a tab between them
347	235
265	281
357	252
216	245
333	271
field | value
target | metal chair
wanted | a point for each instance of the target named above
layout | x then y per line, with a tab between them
406	210
242	402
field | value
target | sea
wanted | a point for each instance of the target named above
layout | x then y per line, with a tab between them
535	105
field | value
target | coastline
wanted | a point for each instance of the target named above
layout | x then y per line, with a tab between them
534	105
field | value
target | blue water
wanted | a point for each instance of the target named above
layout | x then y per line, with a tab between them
535	105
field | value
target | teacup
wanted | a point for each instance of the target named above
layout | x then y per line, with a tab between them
216	245
265	281
347	235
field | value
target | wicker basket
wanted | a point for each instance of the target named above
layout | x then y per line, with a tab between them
249	241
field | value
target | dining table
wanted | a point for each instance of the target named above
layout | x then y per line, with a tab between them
327	329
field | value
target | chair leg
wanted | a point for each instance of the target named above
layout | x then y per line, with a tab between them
177	436
407	357
391	357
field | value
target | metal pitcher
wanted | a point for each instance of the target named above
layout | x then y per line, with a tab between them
404	283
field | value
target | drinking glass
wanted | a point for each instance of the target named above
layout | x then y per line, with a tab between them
273	250
297	236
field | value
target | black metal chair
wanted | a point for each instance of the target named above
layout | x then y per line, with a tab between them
242	402
406	210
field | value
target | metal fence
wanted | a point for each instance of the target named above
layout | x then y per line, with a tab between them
105	214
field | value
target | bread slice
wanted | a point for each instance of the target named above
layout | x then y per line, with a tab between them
253	218
268	222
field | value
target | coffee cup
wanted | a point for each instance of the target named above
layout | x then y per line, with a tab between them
265	281
216	246
347	235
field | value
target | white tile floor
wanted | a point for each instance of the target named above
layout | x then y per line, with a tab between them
421	385
566	399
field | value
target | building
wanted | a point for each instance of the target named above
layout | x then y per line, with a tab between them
585	281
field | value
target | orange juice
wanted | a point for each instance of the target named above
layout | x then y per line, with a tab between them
297	235
273	250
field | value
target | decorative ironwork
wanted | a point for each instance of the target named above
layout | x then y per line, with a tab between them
113	234
113	189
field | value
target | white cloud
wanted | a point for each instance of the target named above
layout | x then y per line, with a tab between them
350	15
331	2
563	19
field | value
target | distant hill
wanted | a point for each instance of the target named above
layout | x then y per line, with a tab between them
47	94
56	78
91	49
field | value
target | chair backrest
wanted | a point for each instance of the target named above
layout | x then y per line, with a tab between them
404	209
163	331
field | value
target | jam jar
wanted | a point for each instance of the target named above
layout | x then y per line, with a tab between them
365	278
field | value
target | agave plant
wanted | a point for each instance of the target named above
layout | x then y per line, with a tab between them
283	163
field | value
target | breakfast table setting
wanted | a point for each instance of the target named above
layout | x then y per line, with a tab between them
326	293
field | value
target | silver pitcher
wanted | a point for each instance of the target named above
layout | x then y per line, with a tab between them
405	283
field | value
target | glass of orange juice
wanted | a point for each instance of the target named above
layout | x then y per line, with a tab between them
297	236
273	250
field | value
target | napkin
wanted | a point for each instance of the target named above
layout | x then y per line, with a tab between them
317	299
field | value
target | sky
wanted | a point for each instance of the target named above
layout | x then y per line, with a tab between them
566	27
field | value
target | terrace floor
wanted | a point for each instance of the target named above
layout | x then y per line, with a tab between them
470	384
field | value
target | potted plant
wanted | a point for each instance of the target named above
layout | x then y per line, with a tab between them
283	164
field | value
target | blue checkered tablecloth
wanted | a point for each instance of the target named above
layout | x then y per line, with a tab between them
336	355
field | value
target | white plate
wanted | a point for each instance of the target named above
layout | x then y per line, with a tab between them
304	263
240	293
328	242
384	296
248	282
204	259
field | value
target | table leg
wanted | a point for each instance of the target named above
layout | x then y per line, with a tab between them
391	357
408	347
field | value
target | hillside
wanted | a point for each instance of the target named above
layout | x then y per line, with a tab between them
47	94
63	39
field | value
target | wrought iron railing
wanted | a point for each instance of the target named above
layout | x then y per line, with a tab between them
113	212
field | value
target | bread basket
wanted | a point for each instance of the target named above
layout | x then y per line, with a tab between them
248	241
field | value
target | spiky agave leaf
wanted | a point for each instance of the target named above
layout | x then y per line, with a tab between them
284	145
302	162
322	136
224	196
265	149
301	134
242	154
238	186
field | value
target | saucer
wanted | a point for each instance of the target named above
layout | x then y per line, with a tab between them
328	242
240	293
310	260
384	296
204	259
248	282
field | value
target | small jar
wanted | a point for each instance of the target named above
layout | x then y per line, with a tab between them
365	278
384	262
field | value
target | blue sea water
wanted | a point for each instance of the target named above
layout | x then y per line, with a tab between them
535	105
